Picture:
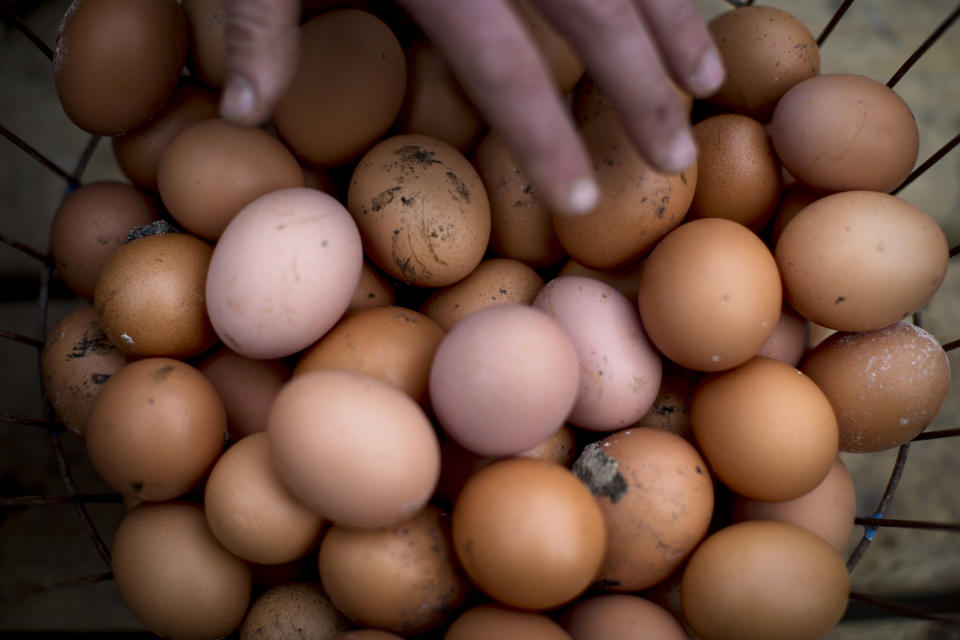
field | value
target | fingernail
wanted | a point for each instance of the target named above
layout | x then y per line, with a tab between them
709	74
681	154
238	99
582	196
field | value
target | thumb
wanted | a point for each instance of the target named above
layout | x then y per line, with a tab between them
262	39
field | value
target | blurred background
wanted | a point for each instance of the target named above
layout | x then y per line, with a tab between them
43	546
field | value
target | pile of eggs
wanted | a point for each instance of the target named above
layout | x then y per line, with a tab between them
354	380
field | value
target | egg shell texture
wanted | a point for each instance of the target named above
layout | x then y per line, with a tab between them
292	609
422	210
885	386
491	621
620	617
283	273
620	369
861	260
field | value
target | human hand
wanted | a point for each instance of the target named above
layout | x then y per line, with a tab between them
629	46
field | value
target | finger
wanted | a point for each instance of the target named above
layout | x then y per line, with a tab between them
262	39
622	59
501	70
685	44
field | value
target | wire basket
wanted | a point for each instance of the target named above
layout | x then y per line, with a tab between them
57	517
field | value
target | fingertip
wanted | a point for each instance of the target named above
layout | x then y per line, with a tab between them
679	154
708	76
238	100
582	197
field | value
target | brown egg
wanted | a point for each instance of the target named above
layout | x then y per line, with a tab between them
117	61
738	174
138	152
208	42
671	409
486	621
355	449
638	206
374	289
434	103
559	447
766	429
421	209
295	609
174	576
828	510
521	225
246	386
75	362
619	368
765	51
155	430
250	510
620	617
589	100
788	342
90	224
347	90
710	294
494	281
626	279
561	58
215	168
389	343
503	379
795	198
844	132
367	634
885	386
150	297
656	496
403	578
764	579
529	533
861	260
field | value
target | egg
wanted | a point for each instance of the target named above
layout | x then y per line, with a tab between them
765	52
738	174
403	578
90	224
250	510
521	224
861	260
353	448
283	273
827	510
619	368
764	579
174	576
117	61
75	361
434	104
620	617
214	168
389	343
366	634
671	408
494	281
150	297
794	198
528	533
503	379
767	430
292	609
138	152
710	294
626	279
155	429
486	621
656	496
590	100
844	132
638	206
374	290
246	386
347	88
788	341
421	209
885	386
